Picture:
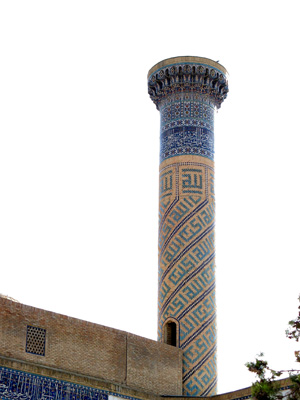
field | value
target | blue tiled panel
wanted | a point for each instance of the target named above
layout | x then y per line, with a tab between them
187	140
187	126
18	385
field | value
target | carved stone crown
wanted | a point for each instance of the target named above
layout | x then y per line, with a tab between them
188	74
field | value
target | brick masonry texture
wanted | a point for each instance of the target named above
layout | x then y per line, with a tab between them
165	367
90	350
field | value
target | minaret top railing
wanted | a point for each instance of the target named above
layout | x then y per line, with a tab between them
188	74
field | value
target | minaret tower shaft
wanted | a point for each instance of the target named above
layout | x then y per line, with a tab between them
186	91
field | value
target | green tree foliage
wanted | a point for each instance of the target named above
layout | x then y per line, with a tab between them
266	386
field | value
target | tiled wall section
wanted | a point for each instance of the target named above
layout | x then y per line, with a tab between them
187	267
17	384
89	349
186	126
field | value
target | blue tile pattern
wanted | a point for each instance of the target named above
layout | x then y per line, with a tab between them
186	91
187	127
19	385
187	270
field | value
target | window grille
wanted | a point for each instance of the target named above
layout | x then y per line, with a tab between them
35	340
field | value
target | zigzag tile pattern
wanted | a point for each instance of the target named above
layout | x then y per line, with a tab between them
187	269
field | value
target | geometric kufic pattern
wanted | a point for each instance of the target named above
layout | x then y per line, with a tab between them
35	340
186	91
16	385
187	269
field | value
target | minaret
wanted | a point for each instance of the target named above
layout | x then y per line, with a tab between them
186	91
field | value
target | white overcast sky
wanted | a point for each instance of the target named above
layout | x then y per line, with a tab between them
79	158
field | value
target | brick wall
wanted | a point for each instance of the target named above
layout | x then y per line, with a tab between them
89	349
154	365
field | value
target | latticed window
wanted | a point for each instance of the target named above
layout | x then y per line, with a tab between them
35	340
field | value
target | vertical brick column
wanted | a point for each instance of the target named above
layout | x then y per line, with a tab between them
186	91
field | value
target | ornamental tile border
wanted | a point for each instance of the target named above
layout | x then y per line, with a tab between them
19	385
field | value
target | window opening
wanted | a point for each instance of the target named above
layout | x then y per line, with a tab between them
171	333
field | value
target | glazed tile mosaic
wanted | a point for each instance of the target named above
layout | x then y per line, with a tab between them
18	385
187	124
186	94
186	269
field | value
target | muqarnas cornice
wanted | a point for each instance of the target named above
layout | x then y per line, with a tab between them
188	74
